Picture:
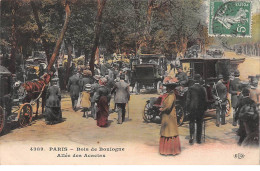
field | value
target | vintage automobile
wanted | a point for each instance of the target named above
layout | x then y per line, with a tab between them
192	52
209	69
11	106
147	71
215	52
37	57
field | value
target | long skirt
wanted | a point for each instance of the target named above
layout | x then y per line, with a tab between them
170	145
103	110
53	114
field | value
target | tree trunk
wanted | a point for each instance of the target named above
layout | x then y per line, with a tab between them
13	38
184	42
67	67
144	41
86	52
44	42
58	44
101	5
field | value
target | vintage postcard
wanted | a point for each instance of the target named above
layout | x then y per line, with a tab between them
129	82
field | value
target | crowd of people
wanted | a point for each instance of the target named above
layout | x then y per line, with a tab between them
244	101
91	94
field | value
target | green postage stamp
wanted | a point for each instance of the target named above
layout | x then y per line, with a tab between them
230	18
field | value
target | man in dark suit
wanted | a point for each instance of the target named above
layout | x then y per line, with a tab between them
234	89
196	104
73	88
122	97
219	93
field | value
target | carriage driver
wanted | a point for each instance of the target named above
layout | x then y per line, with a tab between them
181	76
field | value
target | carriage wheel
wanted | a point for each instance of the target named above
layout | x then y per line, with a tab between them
228	108
159	87
180	114
2	120
25	115
148	114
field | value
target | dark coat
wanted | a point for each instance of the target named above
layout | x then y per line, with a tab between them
103	70
102	91
233	90
196	98
110	84
74	86
93	92
242	101
121	90
53	96
182	77
84	81
220	90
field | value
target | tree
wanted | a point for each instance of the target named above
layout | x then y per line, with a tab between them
101	5
36	17
59	41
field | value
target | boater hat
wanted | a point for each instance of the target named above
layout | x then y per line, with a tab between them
97	77
87	87
54	80
220	76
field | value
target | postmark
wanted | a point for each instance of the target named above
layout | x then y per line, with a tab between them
230	18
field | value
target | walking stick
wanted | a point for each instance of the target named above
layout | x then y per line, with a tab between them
128	110
204	130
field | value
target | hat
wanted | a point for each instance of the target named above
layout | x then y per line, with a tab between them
169	81
236	73
85	72
197	77
103	81
220	76
55	79
87	87
245	92
97	77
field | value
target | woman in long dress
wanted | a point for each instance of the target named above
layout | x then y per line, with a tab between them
102	99
53	112
169	140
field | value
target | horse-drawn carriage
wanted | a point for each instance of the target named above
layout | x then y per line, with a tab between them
17	99
209	69
11	109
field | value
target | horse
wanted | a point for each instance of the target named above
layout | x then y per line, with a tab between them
34	90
